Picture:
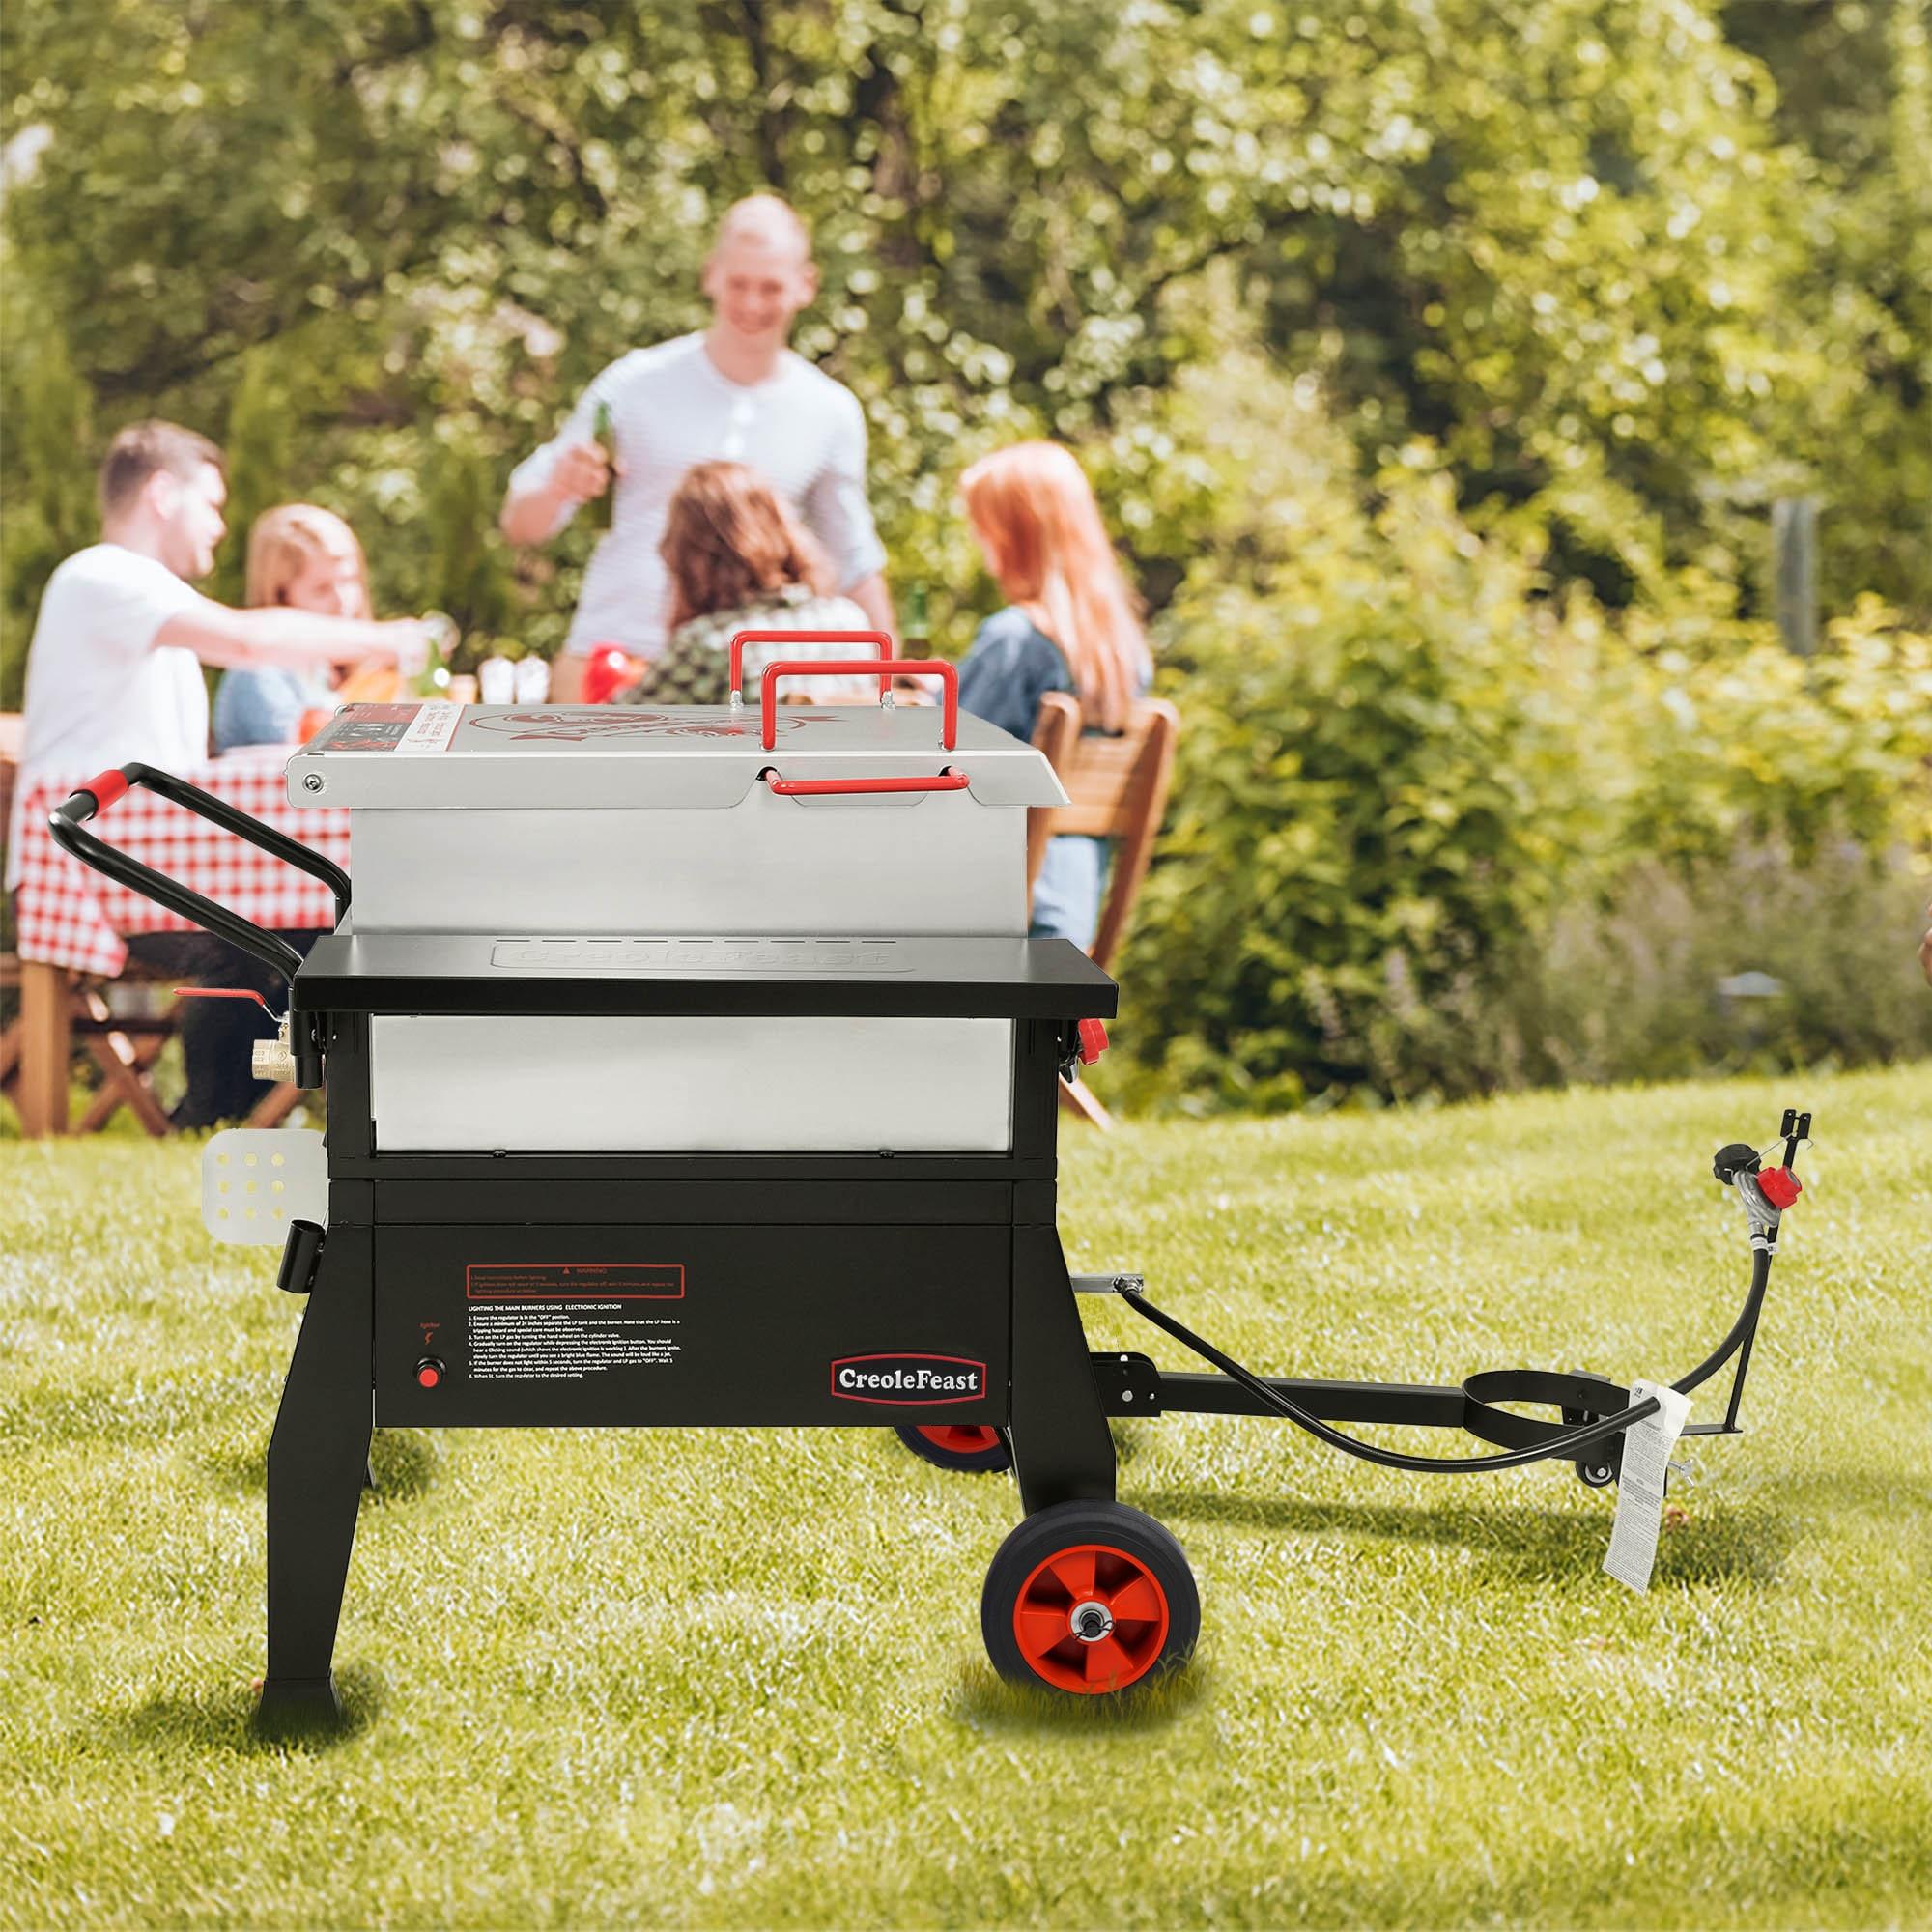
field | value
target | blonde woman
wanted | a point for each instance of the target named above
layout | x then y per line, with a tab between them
304	559
1069	624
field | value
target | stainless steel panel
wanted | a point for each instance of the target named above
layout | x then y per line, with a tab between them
567	1083
935	864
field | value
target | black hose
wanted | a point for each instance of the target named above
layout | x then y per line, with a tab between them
1741	1329
1568	1445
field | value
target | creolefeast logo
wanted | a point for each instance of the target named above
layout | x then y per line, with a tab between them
901	1380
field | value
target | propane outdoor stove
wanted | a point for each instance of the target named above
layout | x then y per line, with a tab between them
691	1066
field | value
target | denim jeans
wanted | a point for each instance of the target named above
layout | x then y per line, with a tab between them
1067	894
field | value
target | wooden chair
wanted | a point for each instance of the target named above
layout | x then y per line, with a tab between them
1054	732
1117	788
124	1047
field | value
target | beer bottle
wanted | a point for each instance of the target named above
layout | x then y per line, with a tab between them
916	639
433	680
601	506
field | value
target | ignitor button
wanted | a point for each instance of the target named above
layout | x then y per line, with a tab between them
429	1373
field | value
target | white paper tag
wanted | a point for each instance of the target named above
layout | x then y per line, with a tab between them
431	727
1647	1447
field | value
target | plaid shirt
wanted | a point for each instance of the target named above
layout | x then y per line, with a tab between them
695	666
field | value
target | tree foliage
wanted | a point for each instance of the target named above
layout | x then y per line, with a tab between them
1582	247
1437	361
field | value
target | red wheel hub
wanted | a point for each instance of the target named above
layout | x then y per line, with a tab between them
961	1438
1091	1619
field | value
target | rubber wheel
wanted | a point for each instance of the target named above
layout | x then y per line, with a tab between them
970	1446
1600	1468
1090	1599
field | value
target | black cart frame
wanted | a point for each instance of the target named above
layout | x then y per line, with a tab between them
510	1288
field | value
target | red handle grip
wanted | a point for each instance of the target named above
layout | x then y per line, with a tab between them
948	678
110	789
946	780
878	639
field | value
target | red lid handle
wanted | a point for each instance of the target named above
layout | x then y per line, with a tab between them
948	679
946	780
878	639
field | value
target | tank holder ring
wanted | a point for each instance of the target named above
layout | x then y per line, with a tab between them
1483	1419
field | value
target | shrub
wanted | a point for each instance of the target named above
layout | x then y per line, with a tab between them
1433	835
1376	793
1634	986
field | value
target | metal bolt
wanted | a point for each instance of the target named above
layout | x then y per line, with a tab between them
313	783
1090	1621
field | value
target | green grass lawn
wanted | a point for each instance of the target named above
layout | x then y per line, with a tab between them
728	1679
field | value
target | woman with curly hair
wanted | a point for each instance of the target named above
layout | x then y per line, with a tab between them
739	560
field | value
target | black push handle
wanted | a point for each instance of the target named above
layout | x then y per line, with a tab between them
67	820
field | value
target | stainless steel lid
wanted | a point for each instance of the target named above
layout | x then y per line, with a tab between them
434	756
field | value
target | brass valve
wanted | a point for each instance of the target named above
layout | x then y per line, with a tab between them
273	1058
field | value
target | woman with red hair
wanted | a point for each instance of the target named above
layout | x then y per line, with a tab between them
1070	625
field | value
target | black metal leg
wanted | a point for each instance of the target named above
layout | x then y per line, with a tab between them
1063	1449
318	1457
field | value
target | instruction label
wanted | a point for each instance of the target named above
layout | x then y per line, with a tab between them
1646	1462
567	1341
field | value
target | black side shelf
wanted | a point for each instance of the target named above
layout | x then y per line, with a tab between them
943	978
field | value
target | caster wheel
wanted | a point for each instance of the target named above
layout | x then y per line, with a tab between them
1598	1469
1089	1598
957	1445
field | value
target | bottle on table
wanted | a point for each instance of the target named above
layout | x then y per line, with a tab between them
433	680
916	638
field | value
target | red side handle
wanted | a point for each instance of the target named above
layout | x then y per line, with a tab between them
878	639
110	789
948	678
946	780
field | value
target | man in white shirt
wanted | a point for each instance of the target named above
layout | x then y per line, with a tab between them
734	392
114	676
114	670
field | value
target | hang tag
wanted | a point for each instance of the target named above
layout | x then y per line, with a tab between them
1646	1461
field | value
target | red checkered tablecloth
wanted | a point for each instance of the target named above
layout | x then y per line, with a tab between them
68	915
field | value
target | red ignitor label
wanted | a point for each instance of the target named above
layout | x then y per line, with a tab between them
574	1281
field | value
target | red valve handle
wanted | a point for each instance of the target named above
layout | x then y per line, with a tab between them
1780	1186
946	780
948	678
224	993
1093	1036
878	639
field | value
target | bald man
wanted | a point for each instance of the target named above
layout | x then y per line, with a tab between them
734	391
